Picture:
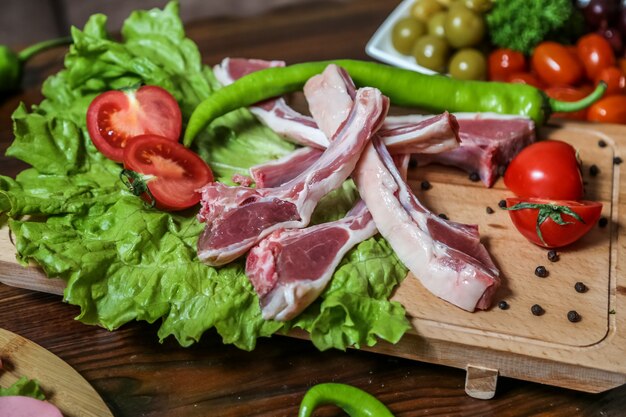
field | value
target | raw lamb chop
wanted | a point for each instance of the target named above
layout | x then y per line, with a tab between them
446	257
238	217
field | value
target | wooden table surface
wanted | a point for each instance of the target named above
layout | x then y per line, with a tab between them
138	376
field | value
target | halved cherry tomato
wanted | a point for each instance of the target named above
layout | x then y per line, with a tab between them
564	93
553	223
504	62
610	109
115	116
546	169
555	65
526	78
596	54
173	173
614	78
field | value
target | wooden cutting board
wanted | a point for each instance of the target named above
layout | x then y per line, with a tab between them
589	355
62	385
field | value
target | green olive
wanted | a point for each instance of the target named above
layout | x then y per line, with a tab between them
479	6
404	34
437	24
431	52
464	27
468	64
423	9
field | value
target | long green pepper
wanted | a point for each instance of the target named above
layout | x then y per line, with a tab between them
434	93
352	400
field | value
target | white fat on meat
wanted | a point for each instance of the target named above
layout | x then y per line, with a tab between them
239	217
446	257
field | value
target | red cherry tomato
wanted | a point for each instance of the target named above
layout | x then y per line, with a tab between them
115	116
549	233
504	62
609	109
526	78
596	54
545	169
568	94
555	65
614	78
173	173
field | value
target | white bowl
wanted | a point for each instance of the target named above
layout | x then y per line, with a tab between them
379	46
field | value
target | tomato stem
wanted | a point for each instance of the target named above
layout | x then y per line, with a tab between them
552	211
137	184
570	106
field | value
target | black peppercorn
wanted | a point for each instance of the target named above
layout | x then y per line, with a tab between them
503	305
489	210
443	216
537	310
594	170
474	176
553	255
580	287
617	160
541	271
603	222
573	316
602	143
502	203
425	185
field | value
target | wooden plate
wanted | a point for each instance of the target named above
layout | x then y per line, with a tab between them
63	386
589	355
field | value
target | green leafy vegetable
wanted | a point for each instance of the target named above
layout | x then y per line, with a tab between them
24	387
123	261
521	24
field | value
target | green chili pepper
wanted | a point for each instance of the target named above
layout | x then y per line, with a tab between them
404	88
11	63
354	401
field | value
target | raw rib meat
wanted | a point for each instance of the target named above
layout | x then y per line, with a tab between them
290	268
446	257
488	143
282	170
238	217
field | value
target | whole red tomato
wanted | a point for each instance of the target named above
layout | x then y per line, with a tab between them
609	109
546	169
525	78
596	54
569	94
115	117
550	223
614	78
555	65
504	62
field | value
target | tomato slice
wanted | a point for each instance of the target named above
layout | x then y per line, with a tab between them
546	169
114	117
173	173
538	219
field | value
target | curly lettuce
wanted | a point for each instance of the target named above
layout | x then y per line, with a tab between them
122	261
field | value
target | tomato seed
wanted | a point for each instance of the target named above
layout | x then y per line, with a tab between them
537	310
489	210
541	271
425	185
573	316
553	255
503	305
580	287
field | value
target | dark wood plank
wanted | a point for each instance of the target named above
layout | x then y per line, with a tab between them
137	375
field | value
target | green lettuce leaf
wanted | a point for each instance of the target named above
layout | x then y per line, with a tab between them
24	387
122	261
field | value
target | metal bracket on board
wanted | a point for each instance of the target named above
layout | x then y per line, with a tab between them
481	382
